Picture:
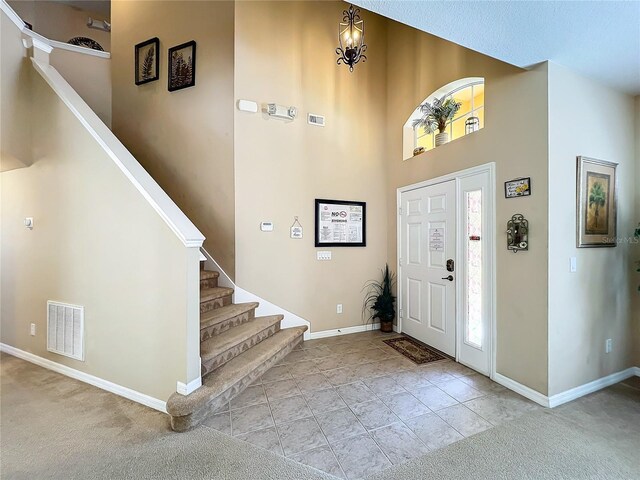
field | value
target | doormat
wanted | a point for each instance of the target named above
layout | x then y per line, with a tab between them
414	350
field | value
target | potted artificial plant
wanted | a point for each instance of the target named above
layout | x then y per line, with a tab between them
435	116
379	302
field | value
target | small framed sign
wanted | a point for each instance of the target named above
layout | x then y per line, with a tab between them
518	187
341	223
296	229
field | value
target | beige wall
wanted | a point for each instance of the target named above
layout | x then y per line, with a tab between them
90	76
515	139
587	307
285	53
184	139
57	21
96	243
15	128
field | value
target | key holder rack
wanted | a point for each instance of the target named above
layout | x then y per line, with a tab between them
517	233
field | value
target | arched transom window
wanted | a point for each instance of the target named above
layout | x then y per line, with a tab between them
469	92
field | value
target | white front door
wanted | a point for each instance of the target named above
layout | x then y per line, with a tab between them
427	253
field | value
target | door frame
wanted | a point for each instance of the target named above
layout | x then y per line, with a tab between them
490	237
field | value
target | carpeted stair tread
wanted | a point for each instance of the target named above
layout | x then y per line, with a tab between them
209	294
232	372
235	336
219	315
207	274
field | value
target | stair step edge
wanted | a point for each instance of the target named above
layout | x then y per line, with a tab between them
218	344
214	293
219	315
207	274
223	378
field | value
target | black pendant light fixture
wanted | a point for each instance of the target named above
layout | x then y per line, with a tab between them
351	37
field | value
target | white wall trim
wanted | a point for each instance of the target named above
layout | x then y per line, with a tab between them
77	49
568	395
40	45
192	386
523	390
86	378
587	388
265	308
345	331
13	16
224	280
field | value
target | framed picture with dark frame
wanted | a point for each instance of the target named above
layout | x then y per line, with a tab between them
182	66
340	223
596	203
147	63
518	187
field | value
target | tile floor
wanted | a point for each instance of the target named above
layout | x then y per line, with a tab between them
351	406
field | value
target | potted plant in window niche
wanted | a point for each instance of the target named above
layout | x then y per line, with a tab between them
379	301
436	115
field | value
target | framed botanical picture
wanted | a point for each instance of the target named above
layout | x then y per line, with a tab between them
147	65
519	187
596	203
341	223
182	66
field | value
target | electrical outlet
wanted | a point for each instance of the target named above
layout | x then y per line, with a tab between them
608	345
339	308
32	330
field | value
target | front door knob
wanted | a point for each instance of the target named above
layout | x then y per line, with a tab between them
450	278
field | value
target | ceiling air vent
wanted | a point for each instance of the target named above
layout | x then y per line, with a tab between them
65	329
317	120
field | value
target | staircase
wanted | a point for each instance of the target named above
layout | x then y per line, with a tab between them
236	348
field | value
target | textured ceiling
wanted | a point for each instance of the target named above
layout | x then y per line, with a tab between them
102	7
599	39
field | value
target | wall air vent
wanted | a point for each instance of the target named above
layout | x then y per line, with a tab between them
317	120
65	329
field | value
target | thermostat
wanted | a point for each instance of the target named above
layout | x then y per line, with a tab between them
266	226
247	106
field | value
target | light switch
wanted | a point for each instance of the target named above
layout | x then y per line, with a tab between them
323	255
573	264
28	222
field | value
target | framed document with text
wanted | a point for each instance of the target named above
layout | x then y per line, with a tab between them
341	223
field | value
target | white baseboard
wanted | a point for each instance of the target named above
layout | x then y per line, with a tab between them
568	395
344	331
187	388
587	388
87	378
523	390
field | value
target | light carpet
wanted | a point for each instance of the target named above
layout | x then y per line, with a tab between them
53	427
